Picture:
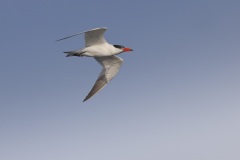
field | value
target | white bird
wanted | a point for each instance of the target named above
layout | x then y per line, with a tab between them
96	46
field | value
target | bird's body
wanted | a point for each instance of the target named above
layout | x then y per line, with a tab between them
101	50
96	46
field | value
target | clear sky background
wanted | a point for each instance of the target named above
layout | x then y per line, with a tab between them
177	96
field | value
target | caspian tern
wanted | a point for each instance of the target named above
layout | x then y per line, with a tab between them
104	53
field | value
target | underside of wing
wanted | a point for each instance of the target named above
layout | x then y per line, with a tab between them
111	66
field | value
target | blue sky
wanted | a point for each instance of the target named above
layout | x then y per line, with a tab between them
175	97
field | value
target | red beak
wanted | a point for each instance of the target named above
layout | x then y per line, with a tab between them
127	49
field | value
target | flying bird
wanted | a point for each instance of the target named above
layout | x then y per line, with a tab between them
104	53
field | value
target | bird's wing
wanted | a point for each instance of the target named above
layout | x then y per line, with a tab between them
92	37
110	67
95	37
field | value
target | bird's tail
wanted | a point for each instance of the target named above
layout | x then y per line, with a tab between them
74	53
71	53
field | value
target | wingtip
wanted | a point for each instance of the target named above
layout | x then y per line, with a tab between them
84	100
61	39
87	97
80	33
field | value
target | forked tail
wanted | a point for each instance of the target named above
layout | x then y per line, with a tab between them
72	53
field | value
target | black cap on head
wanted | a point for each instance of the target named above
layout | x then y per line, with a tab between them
118	46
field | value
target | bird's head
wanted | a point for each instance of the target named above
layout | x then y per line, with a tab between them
124	49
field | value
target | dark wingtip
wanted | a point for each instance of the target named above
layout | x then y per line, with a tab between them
99	84
88	96
85	99
61	39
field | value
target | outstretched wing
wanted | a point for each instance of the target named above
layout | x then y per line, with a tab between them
111	66
92	37
95	37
